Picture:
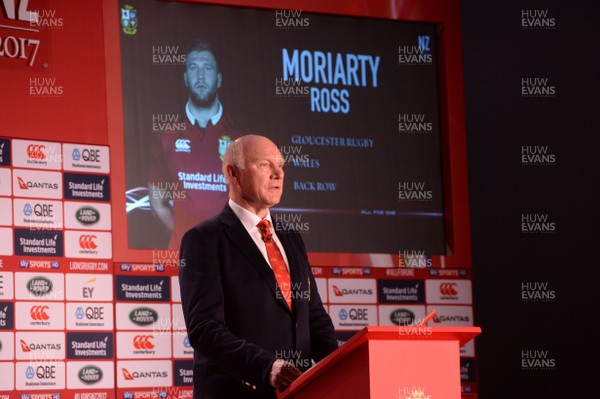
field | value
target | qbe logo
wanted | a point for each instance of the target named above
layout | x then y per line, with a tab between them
40	376
182	347
37	154
38	215
86	158
353	317
94	245
89	316
144	373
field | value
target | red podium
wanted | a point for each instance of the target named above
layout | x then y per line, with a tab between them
389	362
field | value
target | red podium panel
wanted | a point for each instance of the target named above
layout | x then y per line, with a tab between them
389	362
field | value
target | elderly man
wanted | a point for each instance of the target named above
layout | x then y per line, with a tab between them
252	310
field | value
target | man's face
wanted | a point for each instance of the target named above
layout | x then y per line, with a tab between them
202	78
261	181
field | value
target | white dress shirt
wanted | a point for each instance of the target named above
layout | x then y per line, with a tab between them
250	220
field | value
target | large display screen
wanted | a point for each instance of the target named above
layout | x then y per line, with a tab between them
351	103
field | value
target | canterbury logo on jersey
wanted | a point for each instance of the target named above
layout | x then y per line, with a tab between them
182	145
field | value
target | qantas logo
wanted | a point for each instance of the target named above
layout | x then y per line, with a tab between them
127	375
143	342
348	291
143	374
35	151
29	347
39	313
448	289
87	242
23	185
24	346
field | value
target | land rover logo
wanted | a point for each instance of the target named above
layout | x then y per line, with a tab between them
90	375
39	286
87	215
143	316
402	317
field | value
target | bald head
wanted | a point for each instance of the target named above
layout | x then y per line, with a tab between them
252	166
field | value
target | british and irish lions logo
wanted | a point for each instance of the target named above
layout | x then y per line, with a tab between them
224	142
129	20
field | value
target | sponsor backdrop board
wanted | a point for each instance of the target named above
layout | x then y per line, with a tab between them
57	336
71	323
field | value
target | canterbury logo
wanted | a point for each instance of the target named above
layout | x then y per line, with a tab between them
182	145
448	289
87	242
22	184
143	342
39	313
337	291
24	346
36	151
127	375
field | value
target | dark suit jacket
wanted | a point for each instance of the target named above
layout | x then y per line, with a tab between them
236	317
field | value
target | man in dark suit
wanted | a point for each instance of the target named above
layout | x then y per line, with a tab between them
252	330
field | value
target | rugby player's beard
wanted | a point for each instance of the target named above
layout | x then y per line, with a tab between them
204	101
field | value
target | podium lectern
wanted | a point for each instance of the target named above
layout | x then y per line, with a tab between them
389	362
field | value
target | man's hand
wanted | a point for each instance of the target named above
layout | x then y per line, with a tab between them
283	373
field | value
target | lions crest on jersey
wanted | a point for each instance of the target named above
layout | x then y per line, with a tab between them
224	142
